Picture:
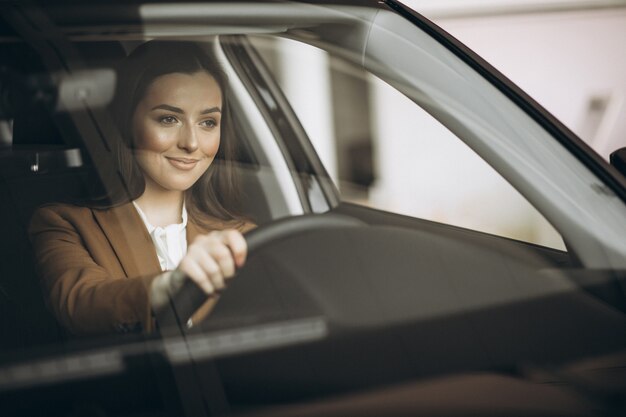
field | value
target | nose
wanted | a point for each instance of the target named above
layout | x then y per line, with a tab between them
188	139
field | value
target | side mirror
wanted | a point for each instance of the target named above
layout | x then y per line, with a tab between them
618	160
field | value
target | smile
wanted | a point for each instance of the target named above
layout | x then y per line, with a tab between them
185	164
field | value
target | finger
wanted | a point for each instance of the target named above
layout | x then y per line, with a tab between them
213	271
201	253
197	274
224	258
237	245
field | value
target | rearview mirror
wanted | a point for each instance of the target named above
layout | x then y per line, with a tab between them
55	92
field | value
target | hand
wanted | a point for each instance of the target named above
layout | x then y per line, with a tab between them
211	259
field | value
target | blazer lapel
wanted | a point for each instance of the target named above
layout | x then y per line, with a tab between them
129	239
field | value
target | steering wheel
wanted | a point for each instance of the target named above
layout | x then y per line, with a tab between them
190	297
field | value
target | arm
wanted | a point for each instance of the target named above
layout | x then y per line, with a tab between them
85	296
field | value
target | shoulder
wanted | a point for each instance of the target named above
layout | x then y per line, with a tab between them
57	222
62	208
74	216
56	212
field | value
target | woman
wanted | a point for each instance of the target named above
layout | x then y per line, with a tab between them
105	269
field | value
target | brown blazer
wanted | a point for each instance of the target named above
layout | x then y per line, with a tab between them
96	267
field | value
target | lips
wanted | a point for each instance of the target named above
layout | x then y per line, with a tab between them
185	164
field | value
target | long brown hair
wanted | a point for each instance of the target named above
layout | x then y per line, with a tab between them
216	193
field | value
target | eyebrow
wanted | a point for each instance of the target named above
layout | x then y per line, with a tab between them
181	111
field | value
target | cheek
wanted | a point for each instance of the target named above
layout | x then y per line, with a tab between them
150	138
211	145
145	160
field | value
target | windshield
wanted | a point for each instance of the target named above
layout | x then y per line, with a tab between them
431	183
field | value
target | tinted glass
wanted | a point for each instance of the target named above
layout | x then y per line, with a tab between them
342	305
386	152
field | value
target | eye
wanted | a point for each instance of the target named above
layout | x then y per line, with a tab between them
168	120
209	123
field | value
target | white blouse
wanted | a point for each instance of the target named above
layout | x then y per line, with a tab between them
170	241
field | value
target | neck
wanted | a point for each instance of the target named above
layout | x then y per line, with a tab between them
161	207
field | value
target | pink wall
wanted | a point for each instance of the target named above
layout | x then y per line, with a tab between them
573	63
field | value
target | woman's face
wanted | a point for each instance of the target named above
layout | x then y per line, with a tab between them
176	129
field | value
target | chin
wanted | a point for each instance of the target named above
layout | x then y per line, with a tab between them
177	185
182	182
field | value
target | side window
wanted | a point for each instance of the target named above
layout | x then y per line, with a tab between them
384	151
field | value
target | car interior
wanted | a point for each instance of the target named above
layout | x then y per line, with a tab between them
390	301
44	160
